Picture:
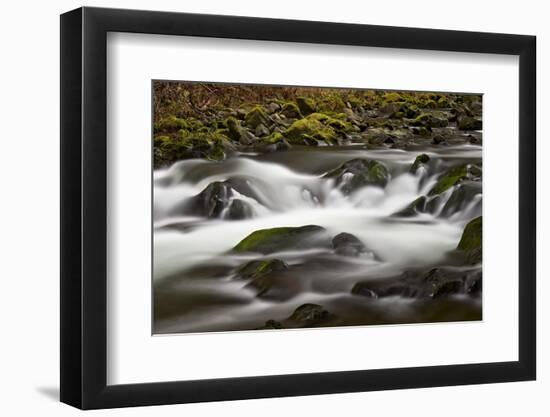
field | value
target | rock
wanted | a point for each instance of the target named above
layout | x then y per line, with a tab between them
283	239
469	123
216	197
376	136
452	177
258	268
309	315
471	241
306	105
237	133
413	209
255	117
434	119
438	140
291	110
420	161
347	244
271	324
433	283
261	130
309	131
210	202
357	173
273	107
462	196
239	210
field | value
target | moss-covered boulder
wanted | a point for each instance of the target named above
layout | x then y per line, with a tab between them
185	144
280	239
420	161
358	173
433	119
173	124
452	177
291	111
469	123
255	117
258	268
417	206
309	131
346	244
306	105
472	235
237	133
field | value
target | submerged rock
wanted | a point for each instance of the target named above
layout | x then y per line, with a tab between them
258	268
452	177
358	173
417	206
433	283
347	244
239	210
309	315
283	238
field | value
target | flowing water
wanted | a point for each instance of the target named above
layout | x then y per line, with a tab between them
195	285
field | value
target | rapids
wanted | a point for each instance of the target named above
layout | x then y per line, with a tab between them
195	288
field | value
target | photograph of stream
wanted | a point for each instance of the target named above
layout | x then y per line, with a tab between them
283	207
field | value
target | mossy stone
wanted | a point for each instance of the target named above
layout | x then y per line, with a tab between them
303	130
420	160
452	177
281	238
472	236
306	105
255	117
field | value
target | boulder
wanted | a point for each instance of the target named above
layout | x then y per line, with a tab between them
291	111
469	123
259	268
306	105
255	117
309	131
417	206
283	239
308	315
347	244
357	173
238	210
462	196
420	161
471	241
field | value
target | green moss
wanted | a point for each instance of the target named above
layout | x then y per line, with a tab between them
255	117
173	123
451	178
275	239
443	102
291	110
301	131
472	236
306	105
234	129
258	268
392	97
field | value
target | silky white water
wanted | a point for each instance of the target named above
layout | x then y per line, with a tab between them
290	191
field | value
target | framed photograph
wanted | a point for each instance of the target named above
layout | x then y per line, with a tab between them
259	208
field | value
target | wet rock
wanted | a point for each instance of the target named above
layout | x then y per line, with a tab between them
210	202
433	283
271	324
413	209
239	210
420	161
258	268
283	239
357	173
438	140
347	244
471	241
462	196
309	315
452	177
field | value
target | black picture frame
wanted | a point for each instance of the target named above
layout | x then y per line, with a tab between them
84	207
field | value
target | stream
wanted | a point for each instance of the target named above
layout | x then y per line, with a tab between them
195	271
